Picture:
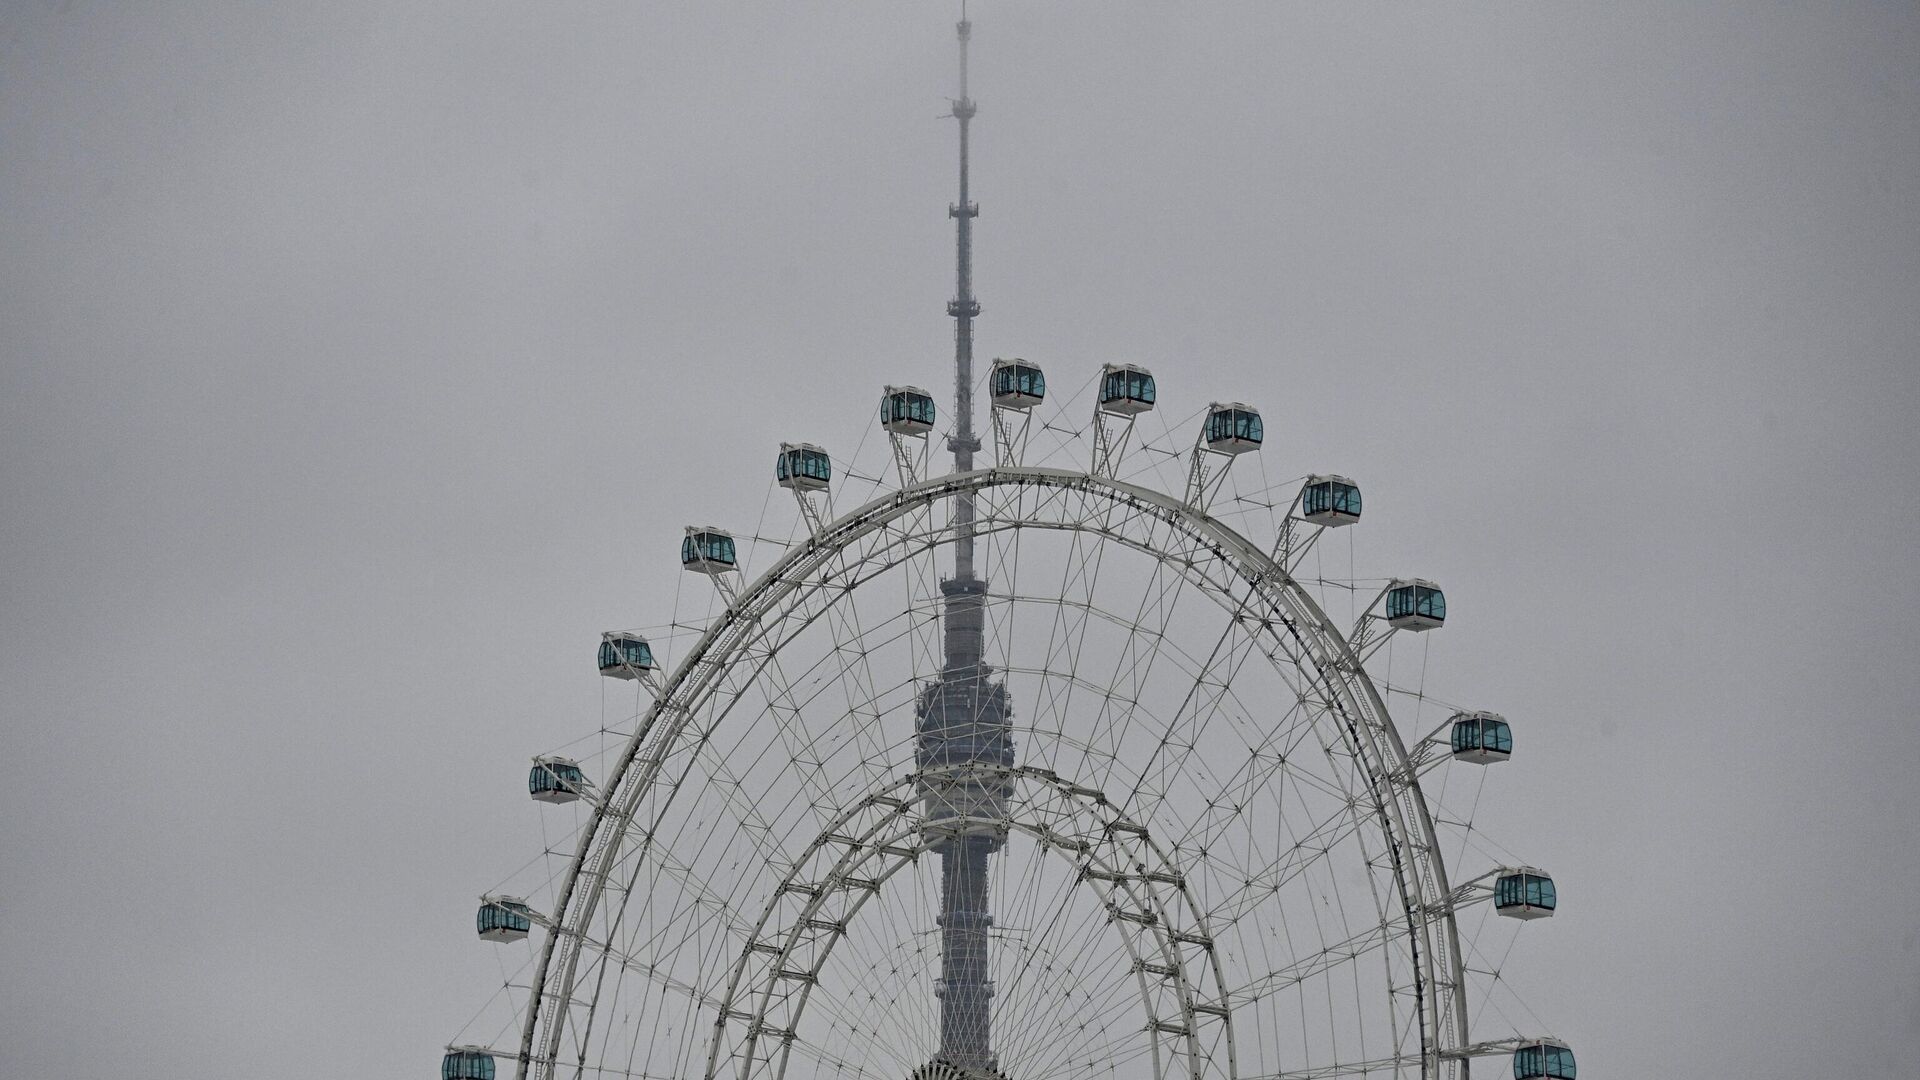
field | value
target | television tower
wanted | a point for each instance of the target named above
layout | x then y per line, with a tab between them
962	718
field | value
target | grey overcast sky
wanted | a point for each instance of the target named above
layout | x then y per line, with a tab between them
360	362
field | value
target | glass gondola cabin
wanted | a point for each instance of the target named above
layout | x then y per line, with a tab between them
503	918
1524	893
1330	500
1482	738
1415	605
555	780
625	656
906	410
1126	389
803	467
708	551
1016	384
467	1063
1233	428
1543	1061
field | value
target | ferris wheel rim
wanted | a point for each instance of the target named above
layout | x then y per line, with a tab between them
1166	938
1258	570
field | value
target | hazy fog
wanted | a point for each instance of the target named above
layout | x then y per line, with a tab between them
359	363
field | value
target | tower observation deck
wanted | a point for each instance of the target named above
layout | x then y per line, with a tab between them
962	717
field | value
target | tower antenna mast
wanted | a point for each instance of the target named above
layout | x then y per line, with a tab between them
963	719
964	309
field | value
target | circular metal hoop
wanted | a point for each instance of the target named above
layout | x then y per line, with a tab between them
803	587
1163	923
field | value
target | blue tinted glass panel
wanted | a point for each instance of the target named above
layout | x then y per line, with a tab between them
1509	891
1400	602
1317	498
502	917
1466	735
1501	738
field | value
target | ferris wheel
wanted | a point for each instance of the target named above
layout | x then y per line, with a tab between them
1114	796
1054	768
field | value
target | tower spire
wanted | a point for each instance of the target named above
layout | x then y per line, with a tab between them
962	717
964	309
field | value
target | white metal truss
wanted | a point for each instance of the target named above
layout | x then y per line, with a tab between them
1010	427
1111	433
815	507
909	457
1206	472
1180	988
1296	534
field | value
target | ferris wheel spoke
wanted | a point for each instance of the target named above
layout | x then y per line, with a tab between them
1316	846
1065	635
1083	935
1159	600
1329	957
1205	695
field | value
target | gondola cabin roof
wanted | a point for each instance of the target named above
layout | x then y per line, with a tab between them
803	467
1126	389
1330	500
907	410
1017	384
1233	428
